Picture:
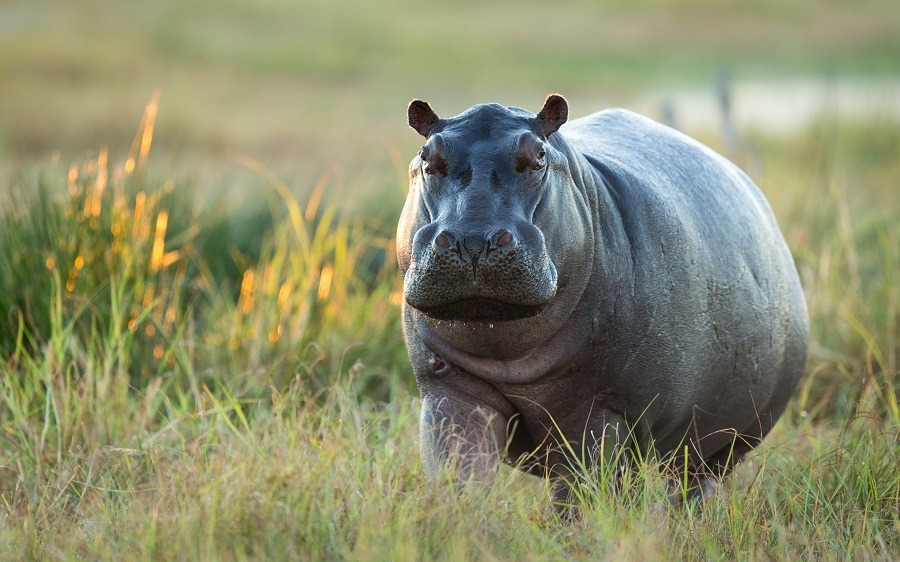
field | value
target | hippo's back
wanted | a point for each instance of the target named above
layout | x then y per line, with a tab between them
708	328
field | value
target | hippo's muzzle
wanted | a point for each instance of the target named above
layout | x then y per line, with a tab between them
489	274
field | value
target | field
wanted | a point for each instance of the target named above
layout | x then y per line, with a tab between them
200	350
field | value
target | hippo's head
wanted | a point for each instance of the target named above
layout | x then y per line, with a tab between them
494	234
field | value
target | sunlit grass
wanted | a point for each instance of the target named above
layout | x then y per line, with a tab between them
155	406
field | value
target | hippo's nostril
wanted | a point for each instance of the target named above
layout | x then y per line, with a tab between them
443	241
504	237
438	367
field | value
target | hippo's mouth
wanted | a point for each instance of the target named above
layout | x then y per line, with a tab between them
504	285
481	309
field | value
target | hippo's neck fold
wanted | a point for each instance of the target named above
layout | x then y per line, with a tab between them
574	334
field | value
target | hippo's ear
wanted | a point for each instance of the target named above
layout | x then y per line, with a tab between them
554	114
421	117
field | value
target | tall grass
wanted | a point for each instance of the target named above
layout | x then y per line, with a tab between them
840	214
152	407
310	290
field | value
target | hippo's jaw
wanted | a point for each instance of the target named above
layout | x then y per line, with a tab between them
481	309
496	284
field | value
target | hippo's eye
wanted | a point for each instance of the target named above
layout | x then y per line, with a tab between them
539	162
530	160
434	164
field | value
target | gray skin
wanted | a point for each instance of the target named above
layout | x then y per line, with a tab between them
573	289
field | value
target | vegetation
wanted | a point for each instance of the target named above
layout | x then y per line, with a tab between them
152	409
191	372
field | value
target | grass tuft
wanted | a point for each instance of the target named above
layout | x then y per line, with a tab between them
169	390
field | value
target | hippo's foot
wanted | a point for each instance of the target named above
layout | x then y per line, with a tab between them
701	486
562	501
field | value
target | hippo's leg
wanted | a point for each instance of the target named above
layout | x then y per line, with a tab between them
723	462
604	439
465	438
704	482
701	485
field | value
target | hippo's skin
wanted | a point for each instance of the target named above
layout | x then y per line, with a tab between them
615	279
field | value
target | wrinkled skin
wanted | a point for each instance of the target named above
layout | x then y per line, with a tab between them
574	289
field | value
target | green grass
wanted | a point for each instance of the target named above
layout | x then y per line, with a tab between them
153	406
200	350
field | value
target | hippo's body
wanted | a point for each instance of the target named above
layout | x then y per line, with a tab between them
614	280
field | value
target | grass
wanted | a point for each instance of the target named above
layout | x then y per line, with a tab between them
153	408
200	350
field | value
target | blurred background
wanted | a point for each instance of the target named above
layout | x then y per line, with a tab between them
309	85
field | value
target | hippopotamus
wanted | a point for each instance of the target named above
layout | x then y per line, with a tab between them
576	290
